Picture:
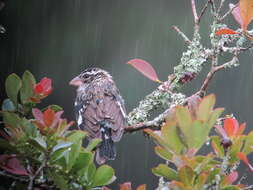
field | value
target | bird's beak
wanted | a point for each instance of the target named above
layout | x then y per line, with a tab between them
75	81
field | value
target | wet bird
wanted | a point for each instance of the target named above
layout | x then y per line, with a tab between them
99	110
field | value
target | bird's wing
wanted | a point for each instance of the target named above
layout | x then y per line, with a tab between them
101	103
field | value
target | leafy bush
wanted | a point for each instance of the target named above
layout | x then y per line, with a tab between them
40	150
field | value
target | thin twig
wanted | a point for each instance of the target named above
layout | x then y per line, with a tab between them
203	11
186	39
227	13
32	177
194	11
221	5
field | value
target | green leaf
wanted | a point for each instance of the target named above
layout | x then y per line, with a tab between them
12	86
164	171
93	143
26	92
157	138
57	155
216	144
76	135
170	134
83	160
59	181
62	144
248	143
231	187
11	119
198	135
160	151
90	172
186	175
184	120
214	116
205	107
30	129
39	143
8	105
76	138
103	176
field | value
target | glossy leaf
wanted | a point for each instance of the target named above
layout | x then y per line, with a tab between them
145	68
224	31
39	143
61	145
170	134
92	144
103	176
83	160
166	155
198	134
164	171
205	107
186	175
12	86
246	10
8	105
26	92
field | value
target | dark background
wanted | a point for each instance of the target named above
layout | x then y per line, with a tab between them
60	38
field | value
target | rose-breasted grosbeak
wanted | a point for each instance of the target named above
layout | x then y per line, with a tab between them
100	110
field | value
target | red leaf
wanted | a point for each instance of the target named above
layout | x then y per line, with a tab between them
145	68
125	186
49	116
241	129
244	158
225	31
12	165
231	178
246	11
231	126
236	13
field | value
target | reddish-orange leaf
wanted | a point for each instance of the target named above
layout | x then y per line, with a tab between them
225	31
125	186
241	129
145	68
246	10
141	187
231	178
244	158
48	116
231	126
236	13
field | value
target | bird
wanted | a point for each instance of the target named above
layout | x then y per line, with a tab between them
99	110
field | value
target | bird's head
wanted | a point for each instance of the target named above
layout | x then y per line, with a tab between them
88	76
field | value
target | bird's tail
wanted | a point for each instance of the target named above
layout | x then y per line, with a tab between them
106	150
